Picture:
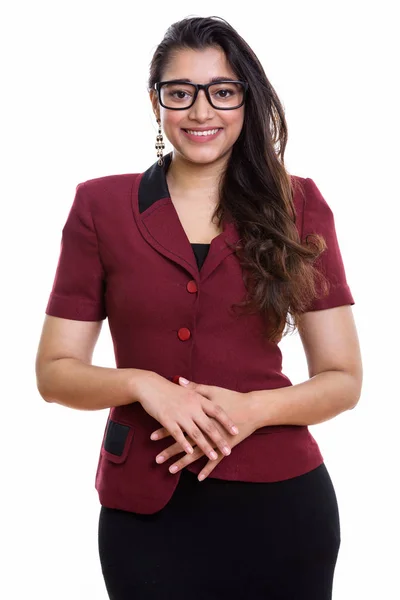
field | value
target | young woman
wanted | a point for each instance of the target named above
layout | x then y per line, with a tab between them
210	483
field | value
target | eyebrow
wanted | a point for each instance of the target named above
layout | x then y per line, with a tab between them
212	80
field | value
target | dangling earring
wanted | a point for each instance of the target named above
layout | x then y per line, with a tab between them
160	145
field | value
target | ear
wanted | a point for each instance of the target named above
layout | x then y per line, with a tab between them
155	104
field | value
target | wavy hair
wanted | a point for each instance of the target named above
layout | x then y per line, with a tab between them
255	190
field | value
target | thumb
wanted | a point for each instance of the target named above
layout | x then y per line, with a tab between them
186	382
201	388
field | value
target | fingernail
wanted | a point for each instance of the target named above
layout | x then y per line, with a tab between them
234	429
183	380
189	449
226	450
213	455
201	477
154	436
173	469
160	459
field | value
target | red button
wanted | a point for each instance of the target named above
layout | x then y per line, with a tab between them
175	379
191	286
184	334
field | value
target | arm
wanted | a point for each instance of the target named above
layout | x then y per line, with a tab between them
65	375
64	372
74	315
331	345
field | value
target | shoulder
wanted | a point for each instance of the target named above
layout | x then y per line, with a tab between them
108	183
313	213
307	196
106	190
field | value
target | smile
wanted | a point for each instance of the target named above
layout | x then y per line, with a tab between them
209	132
202	136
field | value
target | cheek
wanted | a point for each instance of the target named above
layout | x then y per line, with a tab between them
234	124
234	119
171	123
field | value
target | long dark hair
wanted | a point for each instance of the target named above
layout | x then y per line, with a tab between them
256	191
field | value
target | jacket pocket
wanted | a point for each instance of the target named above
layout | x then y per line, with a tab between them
117	440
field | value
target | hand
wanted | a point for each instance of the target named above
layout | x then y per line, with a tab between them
236	404
178	408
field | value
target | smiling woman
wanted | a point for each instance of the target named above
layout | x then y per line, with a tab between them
191	112
231	498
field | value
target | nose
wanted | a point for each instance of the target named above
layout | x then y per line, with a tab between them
201	109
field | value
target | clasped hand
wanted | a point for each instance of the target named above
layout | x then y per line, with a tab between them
223	422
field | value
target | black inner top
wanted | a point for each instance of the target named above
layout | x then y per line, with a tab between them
200	252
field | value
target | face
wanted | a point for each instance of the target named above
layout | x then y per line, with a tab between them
199	66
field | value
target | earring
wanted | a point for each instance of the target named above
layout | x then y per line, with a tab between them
160	145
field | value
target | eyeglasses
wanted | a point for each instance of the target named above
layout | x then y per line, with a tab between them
181	95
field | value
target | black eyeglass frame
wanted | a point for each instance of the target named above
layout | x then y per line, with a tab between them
198	87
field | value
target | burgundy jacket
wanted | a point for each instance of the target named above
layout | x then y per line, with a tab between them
125	256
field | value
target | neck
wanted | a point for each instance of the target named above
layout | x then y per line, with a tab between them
194	179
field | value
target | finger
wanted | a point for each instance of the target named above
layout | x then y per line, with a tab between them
204	390
169	452
200	440
177	433
215	410
210	466
186	383
159	434
211	428
200	388
187	460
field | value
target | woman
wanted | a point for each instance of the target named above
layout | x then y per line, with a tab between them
211	484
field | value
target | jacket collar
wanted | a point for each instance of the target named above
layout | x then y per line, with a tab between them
159	223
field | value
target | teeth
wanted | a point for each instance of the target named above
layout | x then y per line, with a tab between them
210	132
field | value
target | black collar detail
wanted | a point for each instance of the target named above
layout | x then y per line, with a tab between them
153	184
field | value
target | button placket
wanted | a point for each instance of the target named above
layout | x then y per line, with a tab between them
184	333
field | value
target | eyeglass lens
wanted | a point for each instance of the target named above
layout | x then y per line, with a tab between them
223	95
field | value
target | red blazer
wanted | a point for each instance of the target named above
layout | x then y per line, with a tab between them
125	256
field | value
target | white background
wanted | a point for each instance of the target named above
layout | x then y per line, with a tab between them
75	107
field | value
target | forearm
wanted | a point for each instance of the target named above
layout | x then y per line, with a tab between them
75	384
313	401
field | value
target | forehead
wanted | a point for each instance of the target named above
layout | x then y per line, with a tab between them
199	66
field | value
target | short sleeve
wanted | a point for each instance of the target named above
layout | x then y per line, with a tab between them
79	283
318	218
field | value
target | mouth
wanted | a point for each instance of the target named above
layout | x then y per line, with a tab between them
203	135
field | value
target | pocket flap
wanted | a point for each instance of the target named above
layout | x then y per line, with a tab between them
117	440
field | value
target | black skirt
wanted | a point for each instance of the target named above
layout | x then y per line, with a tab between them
220	539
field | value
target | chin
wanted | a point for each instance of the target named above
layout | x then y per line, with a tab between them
202	155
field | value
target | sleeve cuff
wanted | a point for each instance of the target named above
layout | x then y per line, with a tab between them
74	308
338	296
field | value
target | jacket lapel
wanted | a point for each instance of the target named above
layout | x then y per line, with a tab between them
160	225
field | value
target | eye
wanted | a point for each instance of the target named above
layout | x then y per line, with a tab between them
224	93
179	94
